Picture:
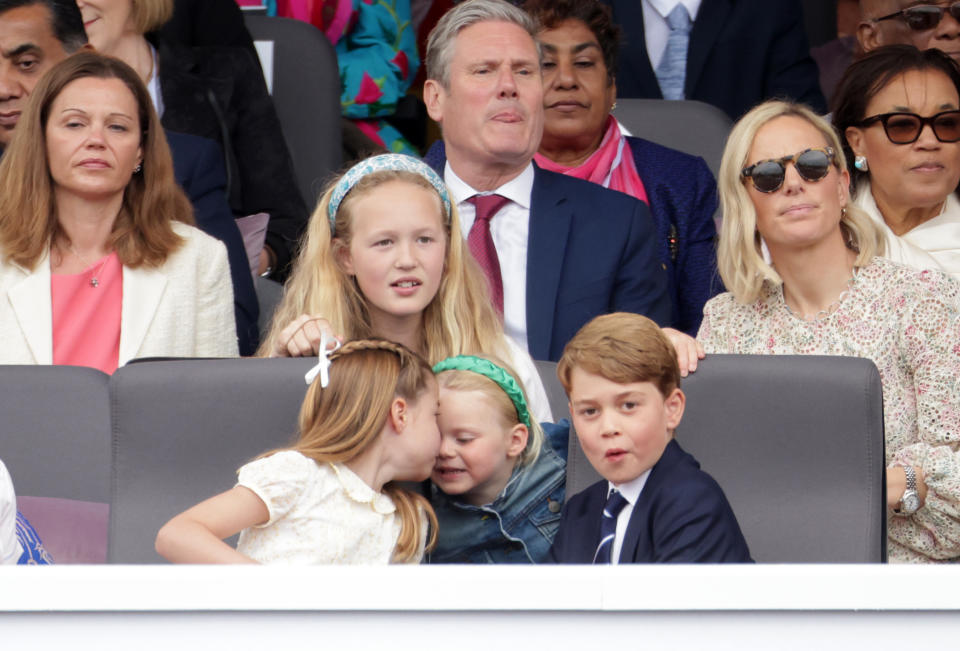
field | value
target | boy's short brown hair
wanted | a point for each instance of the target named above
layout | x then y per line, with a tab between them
623	348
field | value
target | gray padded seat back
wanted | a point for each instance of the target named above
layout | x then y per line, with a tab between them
306	94
182	428
55	437
797	444
692	127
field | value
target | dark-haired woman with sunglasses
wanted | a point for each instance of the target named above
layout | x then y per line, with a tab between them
898	113
822	289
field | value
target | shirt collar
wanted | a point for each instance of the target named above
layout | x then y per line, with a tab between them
519	190
664	7
631	489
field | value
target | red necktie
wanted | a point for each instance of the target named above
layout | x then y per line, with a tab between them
481	243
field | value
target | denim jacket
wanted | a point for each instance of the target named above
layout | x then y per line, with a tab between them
519	526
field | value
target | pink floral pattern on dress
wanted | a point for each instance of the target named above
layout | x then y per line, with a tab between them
908	323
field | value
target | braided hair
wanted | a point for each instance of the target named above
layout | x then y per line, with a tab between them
340	422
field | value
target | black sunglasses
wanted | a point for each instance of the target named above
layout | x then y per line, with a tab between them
923	17
905	128
811	164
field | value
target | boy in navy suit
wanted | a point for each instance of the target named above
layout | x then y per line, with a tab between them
655	505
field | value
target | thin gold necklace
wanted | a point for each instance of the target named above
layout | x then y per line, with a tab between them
95	278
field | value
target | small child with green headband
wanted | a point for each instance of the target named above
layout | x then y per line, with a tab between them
499	480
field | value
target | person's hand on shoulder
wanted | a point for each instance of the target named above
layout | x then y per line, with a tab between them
689	350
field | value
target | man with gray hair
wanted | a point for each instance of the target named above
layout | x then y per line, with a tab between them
907	22
557	250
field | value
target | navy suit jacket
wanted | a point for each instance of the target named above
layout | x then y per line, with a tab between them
590	251
682	516
683	200
741	52
198	167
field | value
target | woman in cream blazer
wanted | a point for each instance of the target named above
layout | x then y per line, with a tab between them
97	257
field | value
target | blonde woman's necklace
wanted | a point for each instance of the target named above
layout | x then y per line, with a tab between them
820	315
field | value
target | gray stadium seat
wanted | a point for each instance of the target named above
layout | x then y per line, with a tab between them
181	429
306	94
797	444
56	444
692	127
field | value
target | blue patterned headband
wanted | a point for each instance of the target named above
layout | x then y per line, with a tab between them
385	162
496	373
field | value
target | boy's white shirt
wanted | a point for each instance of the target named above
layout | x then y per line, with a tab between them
631	492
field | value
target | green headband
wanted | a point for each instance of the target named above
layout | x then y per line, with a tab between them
489	370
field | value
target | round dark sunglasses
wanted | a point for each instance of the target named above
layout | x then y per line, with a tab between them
811	164
920	18
904	128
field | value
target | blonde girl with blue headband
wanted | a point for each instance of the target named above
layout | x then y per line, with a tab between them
368	421
384	256
499	481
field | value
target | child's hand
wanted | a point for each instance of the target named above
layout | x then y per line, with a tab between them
302	337
689	350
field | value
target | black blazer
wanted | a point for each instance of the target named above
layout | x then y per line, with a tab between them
198	166
682	516
219	93
742	52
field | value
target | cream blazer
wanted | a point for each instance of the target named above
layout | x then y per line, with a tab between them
183	308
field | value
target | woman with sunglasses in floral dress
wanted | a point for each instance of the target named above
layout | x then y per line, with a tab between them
823	290
897	114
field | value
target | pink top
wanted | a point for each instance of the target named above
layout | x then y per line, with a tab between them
86	315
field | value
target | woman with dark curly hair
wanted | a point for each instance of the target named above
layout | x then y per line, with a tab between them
581	138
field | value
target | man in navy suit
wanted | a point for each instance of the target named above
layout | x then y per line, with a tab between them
35	35
654	505
567	249
740	52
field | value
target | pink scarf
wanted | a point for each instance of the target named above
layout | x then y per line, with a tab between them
610	166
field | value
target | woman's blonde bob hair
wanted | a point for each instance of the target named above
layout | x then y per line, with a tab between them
150	15
143	232
459	380
342	421
739	256
459	320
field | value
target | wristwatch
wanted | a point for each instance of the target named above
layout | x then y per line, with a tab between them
910	502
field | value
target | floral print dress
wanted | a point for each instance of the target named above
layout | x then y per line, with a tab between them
908	323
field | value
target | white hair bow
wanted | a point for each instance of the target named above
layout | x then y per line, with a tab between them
323	363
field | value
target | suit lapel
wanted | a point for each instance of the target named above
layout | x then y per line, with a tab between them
142	290
706	29
31	302
550	218
640	518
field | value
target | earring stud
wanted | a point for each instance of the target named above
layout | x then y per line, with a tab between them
860	162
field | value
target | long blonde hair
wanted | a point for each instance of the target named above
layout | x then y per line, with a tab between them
340	422
459	320
739	256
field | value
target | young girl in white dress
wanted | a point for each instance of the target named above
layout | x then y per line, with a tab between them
368	421
384	257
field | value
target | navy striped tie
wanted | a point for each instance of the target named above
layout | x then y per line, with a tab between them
608	526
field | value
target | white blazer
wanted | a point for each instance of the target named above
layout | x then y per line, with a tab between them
183	308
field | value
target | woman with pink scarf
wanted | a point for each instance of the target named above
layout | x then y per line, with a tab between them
581	138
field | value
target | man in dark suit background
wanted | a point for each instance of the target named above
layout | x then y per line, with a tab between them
739	53
566	250
35	35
